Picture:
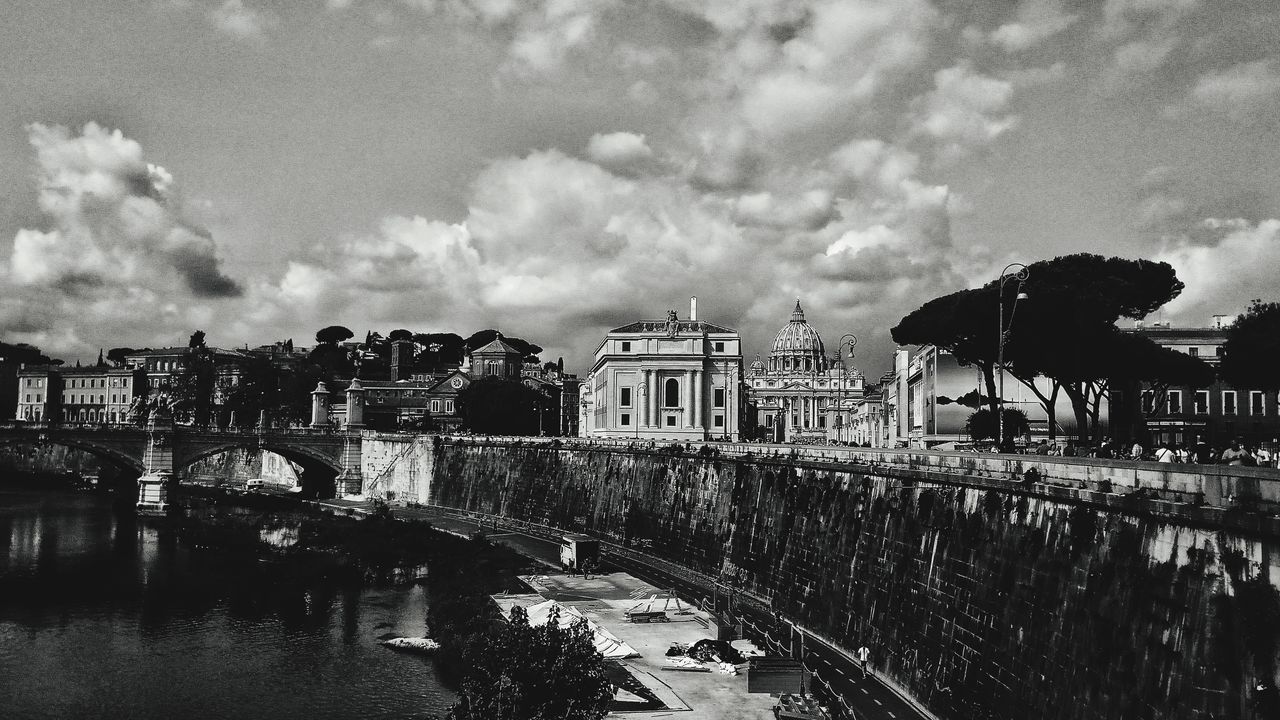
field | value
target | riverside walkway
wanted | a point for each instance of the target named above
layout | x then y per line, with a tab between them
860	698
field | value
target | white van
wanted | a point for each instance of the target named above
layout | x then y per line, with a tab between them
255	484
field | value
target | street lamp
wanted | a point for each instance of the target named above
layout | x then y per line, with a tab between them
848	340
1002	334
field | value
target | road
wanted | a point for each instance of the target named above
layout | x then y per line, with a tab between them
839	678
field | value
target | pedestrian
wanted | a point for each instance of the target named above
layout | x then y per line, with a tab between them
1070	449
1233	455
1201	452
1164	454
1136	452
864	657
1042	448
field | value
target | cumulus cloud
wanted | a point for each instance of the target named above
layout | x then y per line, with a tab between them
241	21
1222	277
618	149
1036	21
117	246
1239	90
965	110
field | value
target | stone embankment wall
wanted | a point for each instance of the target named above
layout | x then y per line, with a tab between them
984	598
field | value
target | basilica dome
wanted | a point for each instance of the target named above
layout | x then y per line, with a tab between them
797	346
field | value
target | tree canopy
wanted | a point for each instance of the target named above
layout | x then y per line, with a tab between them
197	340
399	335
521	672
498	406
117	355
24	354
333	335
1252	346
982	425
1064	331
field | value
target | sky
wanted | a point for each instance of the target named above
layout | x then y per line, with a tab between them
260	169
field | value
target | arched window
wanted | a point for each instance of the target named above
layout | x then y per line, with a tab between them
671	393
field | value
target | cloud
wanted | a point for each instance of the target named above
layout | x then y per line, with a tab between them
618	149
964	111
1223	277
1124	18
240	21
1037	21
117	238
1240	90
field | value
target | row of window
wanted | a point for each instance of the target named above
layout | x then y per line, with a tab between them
1200	406
625	346
670	396
83	382
625	420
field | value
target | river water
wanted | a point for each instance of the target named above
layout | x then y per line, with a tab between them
108	617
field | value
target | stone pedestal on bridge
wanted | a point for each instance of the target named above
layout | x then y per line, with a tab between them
153	486
351	480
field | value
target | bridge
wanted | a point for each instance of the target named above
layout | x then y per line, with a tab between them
329	455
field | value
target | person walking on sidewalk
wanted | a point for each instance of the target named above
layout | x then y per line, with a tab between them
864	657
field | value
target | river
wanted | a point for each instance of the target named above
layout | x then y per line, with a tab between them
104	616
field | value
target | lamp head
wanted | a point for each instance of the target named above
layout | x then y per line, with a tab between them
1023	296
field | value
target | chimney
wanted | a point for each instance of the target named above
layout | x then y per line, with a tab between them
693	308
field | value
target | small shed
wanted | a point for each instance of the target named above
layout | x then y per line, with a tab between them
775	675
579	551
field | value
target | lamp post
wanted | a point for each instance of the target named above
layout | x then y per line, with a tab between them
848	340
1002	334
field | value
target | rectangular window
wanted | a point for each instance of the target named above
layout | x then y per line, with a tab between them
624	397
718	397
28	398
624	419
1175	402
1256	403
768	421
1193	351
717	420
626	346
448	406
435	406
1148	402
1228	402
39	397
1202	402
719	347
1218	351
671	421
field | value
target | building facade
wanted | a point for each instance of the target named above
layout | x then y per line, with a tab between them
667	379
1217	414
796	391
78	394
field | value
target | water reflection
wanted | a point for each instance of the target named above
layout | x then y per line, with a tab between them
105	617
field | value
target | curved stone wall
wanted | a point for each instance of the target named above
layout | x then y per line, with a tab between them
983	602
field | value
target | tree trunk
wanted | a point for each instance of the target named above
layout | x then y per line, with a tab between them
1048	402
1080	406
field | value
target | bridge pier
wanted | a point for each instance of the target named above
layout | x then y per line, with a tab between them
351	480
153	486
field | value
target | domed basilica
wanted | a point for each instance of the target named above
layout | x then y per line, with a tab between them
799	387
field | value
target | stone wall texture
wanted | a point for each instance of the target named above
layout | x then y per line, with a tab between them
981	602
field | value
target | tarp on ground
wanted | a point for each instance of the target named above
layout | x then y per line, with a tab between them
606	642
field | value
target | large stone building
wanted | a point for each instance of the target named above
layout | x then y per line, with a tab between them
665	380
1217	414
795	388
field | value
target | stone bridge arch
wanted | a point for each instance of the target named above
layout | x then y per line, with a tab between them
124	455
307	457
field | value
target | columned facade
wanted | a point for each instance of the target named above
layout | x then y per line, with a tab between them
799	388
667	379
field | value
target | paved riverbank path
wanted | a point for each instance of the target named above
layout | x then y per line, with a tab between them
863	698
